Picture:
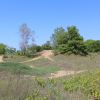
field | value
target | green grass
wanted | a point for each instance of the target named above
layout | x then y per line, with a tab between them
18	68
45	70
15	68
16	58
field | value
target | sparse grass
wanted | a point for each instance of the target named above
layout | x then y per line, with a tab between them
20	88
85	86
41	62
71	62
79	87
16	58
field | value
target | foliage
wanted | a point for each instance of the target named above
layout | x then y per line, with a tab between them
10	51
59	37
46	46
18	68
2	48
88	84
93	45
83	86
68	42
15	68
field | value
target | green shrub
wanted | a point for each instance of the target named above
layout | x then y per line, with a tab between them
68	42
2	48
93	45
88	84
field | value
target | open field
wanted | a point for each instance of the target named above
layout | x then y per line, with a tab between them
23	78
71	62
80	87
17	68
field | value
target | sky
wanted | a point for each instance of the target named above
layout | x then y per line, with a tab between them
43	16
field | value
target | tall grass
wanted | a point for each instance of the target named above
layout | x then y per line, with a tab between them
84	86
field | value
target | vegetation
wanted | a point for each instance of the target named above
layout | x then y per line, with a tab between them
68	42
26	35
46	46
93	45
88	84
83	87
2	48
65	62
23	78
22	69
15	68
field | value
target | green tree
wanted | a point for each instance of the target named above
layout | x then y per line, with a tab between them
68	41
59	37
10	50
2	48
46	46
73	33
93	45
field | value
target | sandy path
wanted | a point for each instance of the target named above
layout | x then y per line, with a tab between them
47	54
1	58
31	59
43	54
63	73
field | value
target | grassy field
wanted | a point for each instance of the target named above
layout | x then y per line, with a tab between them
79	87
78	62
18	68
16	58
17	83
71	62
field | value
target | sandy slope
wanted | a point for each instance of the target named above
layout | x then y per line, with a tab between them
45	54
63	73
1	58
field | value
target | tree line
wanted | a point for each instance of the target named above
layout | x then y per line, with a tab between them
62	41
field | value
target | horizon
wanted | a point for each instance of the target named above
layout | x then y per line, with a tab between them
46	15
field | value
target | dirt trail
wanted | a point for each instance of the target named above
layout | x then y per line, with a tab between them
1	58
63	73
31	59
47	54
43	54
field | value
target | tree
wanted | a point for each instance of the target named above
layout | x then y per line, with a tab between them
26	35
73	33
46	46
59	37
2	48
68	41
93	45
10	50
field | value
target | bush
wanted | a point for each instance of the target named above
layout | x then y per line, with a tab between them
88	84
93	45
2	48
68	42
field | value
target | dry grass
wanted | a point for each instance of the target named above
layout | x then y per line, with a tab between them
73	62
19	87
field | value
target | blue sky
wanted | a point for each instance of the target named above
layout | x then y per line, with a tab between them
43	16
